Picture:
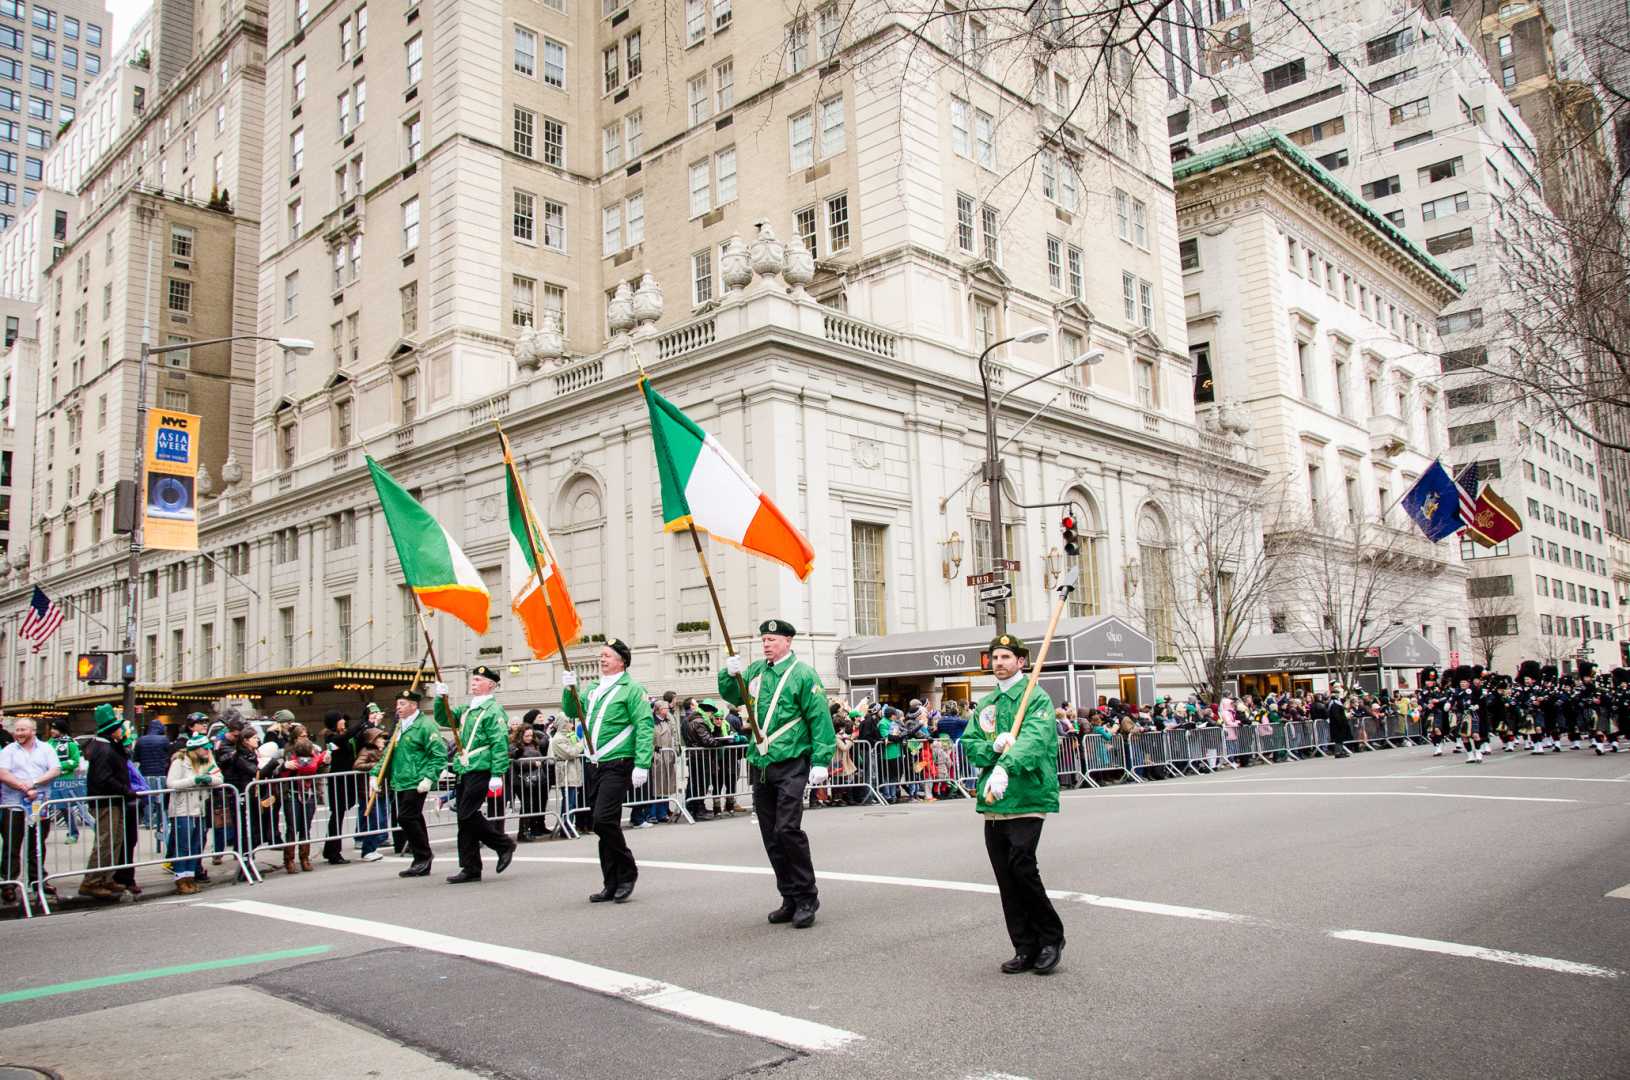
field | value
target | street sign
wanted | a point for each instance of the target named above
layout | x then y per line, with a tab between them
1009	564
993	593
989	577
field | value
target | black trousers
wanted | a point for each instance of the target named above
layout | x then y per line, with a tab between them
410	823
342	795
474	829
604	787
778	800
1031	920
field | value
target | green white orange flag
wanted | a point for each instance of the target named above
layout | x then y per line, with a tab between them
531	561
439	574
702	486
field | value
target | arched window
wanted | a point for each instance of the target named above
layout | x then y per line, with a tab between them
579	538
1088	598
1155	555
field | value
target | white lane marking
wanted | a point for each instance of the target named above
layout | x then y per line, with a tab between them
652	993
1148	907
1280	778
1476	952
1309	795
1620	894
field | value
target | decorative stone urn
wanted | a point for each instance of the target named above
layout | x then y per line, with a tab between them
648	300
620	311
768	253
735	267
549	342
206	482
231	471
526	350
800	270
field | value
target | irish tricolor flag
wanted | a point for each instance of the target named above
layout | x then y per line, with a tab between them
702	486
439	574
531	562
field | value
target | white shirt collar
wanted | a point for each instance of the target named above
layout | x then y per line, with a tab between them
1008	684
480	699
774	665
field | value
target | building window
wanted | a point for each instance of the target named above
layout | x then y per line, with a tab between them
701	191
180	297
801	137
554	64
724	81
611	230
554	225
554	143
410	308
410	224
964	222
701	265
867	549
724	171
524	217
291	295
990	225
525	59
415	59
524	132
342	627
837	222
1055	262
806	223
522	301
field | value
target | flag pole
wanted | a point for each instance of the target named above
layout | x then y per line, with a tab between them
430	649
532	542
396	734
1035	669
729	646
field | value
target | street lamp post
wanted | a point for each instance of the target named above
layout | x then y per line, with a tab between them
127	670
992	470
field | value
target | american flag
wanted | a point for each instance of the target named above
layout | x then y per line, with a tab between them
1467	482
42	619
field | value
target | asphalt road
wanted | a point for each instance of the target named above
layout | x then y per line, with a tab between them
1388	915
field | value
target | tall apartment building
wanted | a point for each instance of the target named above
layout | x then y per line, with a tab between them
458	200
1401	108
49	57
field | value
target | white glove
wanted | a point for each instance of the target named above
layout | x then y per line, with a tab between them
1003	743
447	774
996	787
438	689
817	775
464	759
641	776
424	786
568	680
732	664
373	783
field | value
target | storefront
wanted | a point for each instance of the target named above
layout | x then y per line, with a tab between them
1089	658
1276	663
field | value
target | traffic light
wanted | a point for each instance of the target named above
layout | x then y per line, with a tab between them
93	667
127	667
1072	541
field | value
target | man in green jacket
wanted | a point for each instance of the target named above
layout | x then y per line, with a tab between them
617	727
483	729
415	762
793	750
1019	778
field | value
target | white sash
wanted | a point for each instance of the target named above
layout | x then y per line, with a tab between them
775	699
596	696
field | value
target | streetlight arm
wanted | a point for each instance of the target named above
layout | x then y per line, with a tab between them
180	345
1032	380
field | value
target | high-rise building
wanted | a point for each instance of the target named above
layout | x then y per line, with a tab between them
49	58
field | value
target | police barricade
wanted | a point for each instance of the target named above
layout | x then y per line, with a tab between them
1321	736
1273	743
1299	739
848	780
294	813
1103	759
528	787
1206	748
1146	755
117	844
1179	751
20	851
1367	732
1251	738
1415	728
1069	761
655	800
716	780
1393	731
965	771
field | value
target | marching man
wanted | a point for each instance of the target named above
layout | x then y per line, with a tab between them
1020	778
618	727
796	743
415	762
484	730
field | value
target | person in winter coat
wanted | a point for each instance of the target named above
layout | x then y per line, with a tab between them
528	780
371	831
302	761
664	764
416	762
566	751
107	783
342	786
192	774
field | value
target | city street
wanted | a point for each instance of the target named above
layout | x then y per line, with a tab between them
1388	915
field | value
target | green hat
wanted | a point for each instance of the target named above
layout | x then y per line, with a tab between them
283	716
409	694
373	707
780	627
192	716
485	672
620	647
107	718
1014	645
198	742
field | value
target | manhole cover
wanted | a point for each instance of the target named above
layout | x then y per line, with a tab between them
23	1072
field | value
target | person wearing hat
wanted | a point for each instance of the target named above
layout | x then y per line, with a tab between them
343	785
483	729
1017	788
192	774
415	763
618	738
793	751
107	785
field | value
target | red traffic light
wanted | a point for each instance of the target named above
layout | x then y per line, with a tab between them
1068	522
1072	545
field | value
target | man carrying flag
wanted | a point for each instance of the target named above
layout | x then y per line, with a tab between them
483	729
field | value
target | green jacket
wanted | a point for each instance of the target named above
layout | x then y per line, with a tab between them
68	754
420	754
1031	762
484	731
802	722
619	723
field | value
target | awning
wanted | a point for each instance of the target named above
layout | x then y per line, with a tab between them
289	682
1103	641
1295	652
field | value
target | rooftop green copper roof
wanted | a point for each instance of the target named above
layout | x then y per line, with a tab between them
1270	141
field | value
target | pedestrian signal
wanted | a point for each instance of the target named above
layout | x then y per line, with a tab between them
93	667
1072	540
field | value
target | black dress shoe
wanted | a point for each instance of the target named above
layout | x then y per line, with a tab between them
804	916
623	892
462	877
783	914
1020	962
1047	959
418	869
603	895
505	859
336	860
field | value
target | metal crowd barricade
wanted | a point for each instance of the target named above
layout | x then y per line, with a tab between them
527	787
716	777
1105	755
1146	750
1178	757
1299	739
19	828
1273	743
1321	736
119	844
1069	759
1205	748
647	794
283	812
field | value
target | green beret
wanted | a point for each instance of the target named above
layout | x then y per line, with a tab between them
373	707
406	695
620	647
780	627
1012	644
485	672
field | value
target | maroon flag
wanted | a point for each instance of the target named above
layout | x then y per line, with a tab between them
1493	519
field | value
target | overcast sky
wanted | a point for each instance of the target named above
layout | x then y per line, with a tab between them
125	14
